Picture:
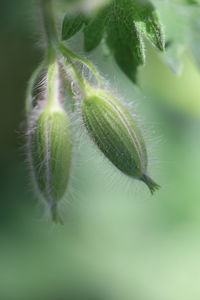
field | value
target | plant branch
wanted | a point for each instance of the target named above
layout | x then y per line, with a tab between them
68	53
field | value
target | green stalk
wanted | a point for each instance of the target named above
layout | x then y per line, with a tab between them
68	53
53	46
52	81
52	40
49	22
78	76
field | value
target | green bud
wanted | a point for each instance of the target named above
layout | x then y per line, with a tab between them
117	135
51	149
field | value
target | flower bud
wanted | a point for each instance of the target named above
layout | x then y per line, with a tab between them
51	149
116	133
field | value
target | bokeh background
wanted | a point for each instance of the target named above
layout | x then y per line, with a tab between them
118	242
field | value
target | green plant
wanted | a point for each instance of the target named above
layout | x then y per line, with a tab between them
123	24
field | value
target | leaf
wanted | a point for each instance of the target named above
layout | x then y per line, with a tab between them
125	42
147	19
125	60
124	22
71	25
94	31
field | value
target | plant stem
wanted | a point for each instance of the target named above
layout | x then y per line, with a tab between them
66	52
52	41
52	81
53	46
49	22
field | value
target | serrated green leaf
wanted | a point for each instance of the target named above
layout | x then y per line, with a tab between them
148	21
125	60
124	38
71	25
127	55
124	22
95	29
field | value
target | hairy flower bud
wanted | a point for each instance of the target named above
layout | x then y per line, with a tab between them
49	140
117	135
51	149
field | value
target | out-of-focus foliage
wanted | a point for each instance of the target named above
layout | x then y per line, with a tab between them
181	24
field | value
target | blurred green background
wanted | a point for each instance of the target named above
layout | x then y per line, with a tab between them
118	242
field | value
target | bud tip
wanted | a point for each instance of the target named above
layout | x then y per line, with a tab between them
152	185
55	216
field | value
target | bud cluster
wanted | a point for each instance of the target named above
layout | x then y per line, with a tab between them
108	122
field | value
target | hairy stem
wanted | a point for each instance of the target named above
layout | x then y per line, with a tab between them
52	81
49	22
54	46
66	52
